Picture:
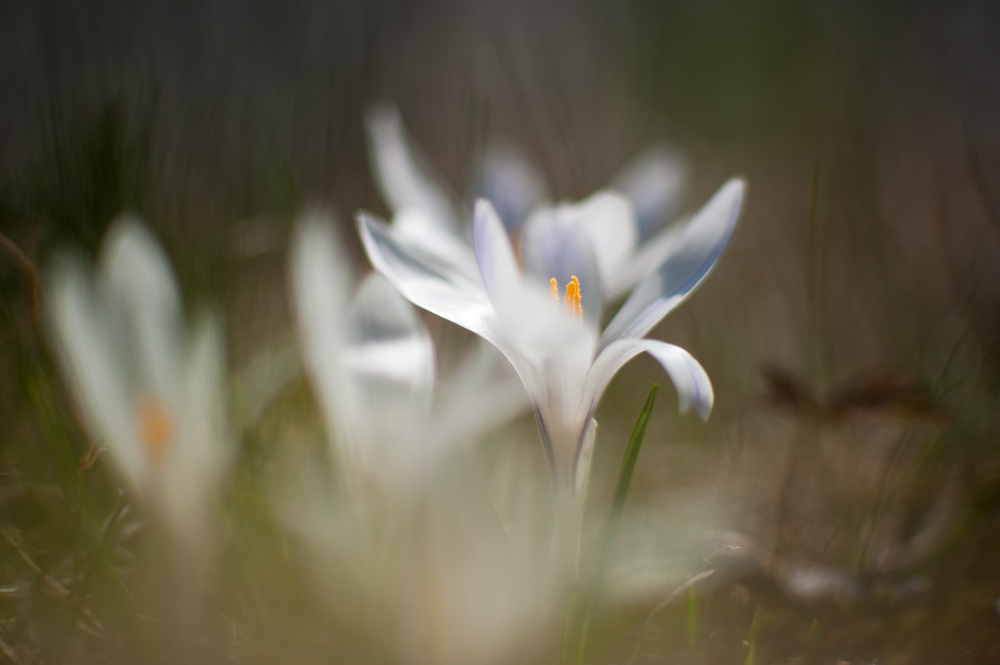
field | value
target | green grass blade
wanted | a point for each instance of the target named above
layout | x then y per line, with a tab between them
614	517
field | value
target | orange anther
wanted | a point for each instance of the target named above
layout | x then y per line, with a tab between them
156	428
572	299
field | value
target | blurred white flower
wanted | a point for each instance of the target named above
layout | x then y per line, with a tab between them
431	572
149	388
561	356
623	223
372	363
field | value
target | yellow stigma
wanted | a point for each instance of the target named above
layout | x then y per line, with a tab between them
571	301
554	290
156	428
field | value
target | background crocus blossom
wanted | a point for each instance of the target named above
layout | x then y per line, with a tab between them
563	360
148	387
372	363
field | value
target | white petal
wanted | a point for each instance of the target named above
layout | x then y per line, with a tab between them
388	362
511	184
497	264
137	272
584	457
482	395
691	261
402	178
553	246
694	389
90	338
438	289
415	229
653	182
320	280
607	219
444	292
200	453
651	254
386	339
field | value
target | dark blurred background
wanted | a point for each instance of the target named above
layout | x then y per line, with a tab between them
865	275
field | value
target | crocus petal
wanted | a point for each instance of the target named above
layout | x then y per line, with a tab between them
494	255
401	177
439	290
584	457
653	182
137	272
703	240
384	338
552	246
200	451
511	184
694	389
388	380
97	359
608	221
650	254
417	230
320	283
481	395
451	295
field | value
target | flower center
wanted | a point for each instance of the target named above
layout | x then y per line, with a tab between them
571	301
156	428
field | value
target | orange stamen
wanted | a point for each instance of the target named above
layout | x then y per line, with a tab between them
554	290
572	299
156	428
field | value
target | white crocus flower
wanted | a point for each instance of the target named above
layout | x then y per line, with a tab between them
149	388
562	358
623	223
372	363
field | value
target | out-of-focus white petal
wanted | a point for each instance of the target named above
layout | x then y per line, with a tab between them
607	219
553	246
480	396
694	389
137	272
320	282
191	470
388	374
691	260
494	255
98	364
511	184
402	177
653	182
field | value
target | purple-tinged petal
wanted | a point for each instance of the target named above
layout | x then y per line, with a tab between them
703	240
552	246
694	389
497	264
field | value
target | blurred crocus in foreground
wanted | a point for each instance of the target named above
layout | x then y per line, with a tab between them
372	363
148	386
622	223
558	351
431	572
